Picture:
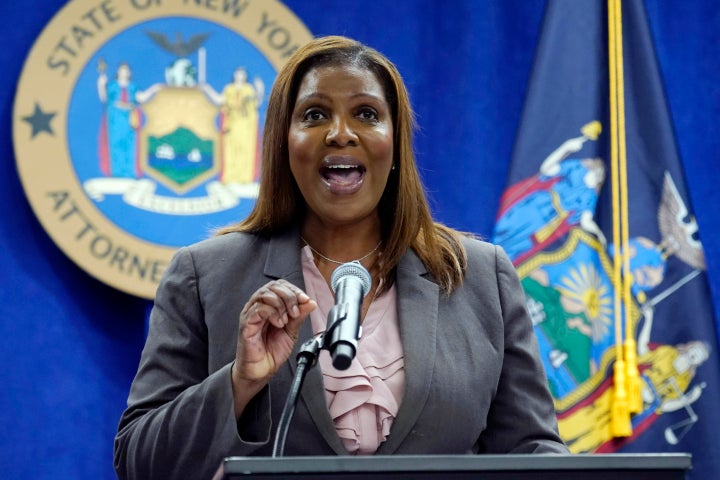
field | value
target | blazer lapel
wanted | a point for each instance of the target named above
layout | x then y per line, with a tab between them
284	261
418	317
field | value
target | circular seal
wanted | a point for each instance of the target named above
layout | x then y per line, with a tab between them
137	126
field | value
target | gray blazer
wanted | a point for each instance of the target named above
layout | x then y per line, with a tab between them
473	379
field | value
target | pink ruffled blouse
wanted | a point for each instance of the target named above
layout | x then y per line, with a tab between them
363	400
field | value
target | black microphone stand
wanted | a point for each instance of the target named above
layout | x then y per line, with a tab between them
306	359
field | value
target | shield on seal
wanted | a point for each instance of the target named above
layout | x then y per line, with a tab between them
179	143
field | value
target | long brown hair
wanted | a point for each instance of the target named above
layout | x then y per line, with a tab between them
404	212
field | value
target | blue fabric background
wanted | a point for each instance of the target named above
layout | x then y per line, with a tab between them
70	345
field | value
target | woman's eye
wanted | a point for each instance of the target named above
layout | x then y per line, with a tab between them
313	115
368	113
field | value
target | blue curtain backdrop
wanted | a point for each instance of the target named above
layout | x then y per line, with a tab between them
70	344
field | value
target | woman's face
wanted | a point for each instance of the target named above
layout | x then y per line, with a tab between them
240	75
123	73
340	144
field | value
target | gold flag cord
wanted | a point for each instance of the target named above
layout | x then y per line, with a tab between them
632	375
626	380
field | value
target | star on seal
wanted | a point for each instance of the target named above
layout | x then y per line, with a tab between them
40	121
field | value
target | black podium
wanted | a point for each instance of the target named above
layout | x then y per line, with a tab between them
441	467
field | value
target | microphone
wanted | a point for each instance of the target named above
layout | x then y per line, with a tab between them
350	282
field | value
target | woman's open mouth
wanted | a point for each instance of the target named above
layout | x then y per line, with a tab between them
342	178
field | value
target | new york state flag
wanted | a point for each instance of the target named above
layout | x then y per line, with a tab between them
568	230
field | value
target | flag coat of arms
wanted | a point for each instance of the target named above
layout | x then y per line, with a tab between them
597	221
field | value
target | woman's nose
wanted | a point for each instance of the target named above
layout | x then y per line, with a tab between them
341	133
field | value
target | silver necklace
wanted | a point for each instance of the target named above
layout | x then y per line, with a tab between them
359	260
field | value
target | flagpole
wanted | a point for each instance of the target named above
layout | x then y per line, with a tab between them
620	425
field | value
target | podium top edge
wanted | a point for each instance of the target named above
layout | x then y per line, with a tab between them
459	463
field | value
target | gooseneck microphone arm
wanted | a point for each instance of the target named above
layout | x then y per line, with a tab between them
350	283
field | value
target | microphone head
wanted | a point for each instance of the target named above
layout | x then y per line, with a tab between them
351	269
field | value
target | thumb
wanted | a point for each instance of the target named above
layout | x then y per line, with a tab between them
293	325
